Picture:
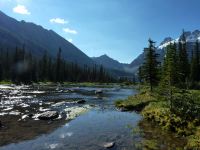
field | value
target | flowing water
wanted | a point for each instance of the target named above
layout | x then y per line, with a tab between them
100	124
87	125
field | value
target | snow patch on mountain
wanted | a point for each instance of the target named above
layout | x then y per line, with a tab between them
190	37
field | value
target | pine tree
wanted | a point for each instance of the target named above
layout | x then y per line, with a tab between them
150	65
169	73
195	66
140	74
183	63
58	65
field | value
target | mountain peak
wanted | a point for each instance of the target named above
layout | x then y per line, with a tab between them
37	39
190	38
166	40
105	56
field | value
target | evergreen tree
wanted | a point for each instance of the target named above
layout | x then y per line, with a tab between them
195	66
44	67
150	66
140	74
22	67
58	65
183	63
169	72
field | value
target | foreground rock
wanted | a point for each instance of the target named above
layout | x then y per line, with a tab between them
49	115
109	145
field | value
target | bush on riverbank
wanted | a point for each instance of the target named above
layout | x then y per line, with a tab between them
181	116
194	140
160	113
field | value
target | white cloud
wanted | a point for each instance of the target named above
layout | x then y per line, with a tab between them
58	20
71	31
70	40
21	9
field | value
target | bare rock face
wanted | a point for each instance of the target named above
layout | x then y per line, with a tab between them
48	115
109	145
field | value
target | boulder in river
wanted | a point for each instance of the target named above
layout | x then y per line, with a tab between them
81	101
109	145
48	115
99	91
73	112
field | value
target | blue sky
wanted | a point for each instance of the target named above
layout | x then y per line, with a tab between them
118	28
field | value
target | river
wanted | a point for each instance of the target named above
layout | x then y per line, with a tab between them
101	123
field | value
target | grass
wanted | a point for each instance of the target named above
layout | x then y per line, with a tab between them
5	82
81	84
137	102
97	84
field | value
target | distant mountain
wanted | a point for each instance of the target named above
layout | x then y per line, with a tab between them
37	40
191	38
110	63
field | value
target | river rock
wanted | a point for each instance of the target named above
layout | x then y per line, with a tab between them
81	101
109	145
98	91
48	115
30	115
122	109
58	104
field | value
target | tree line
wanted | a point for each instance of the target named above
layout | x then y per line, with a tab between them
21	66
177	69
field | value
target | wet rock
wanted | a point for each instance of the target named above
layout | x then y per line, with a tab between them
8	108
98	91
92	105
109	145
73	112
122	109
30	115
23	117
58	104
49	115
15	113
71	90
81	101
43	109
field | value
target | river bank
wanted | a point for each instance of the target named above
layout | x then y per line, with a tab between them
182	121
